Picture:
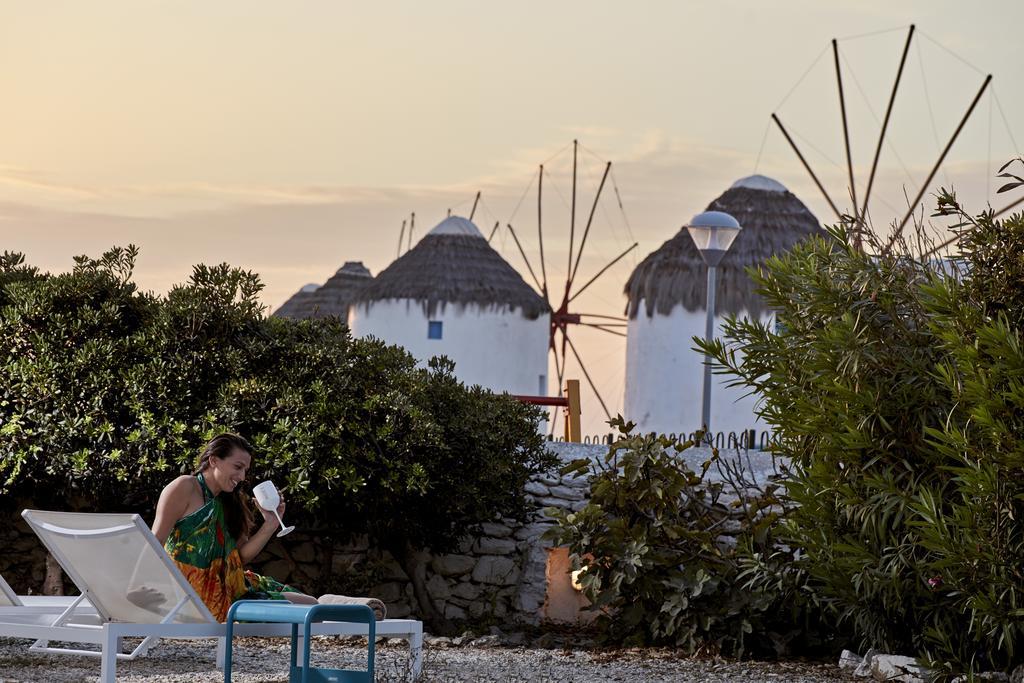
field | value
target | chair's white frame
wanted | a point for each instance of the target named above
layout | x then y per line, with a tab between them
99	628
8	594
37	604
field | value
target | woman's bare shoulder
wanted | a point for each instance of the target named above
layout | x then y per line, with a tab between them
182	487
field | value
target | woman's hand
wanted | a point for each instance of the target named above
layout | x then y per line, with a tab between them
268	515
250	547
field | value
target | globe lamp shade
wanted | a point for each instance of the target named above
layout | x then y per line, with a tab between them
713	232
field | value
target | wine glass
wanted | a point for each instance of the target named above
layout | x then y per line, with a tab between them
268	498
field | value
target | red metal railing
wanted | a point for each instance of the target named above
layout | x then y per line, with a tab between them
571	403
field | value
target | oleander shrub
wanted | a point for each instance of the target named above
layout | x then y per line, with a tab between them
847	382
893	383
971	519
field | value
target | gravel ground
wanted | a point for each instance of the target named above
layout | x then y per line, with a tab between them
264	660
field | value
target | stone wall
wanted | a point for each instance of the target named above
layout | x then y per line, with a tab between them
501	575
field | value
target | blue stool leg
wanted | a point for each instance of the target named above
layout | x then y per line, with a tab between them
306	630
295	644
370	652
227	651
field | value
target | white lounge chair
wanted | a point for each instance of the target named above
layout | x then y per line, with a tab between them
41	610
137	591
12	603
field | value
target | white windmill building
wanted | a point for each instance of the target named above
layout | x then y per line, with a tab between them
667	293
454	295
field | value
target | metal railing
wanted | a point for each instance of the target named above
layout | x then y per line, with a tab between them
746	440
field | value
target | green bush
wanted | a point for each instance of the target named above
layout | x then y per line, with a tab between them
895	389
971	519
847	383
661	548
106	393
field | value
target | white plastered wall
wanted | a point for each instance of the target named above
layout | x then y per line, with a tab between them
499	349
665	378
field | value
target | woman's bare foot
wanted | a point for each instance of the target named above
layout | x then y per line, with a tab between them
147	598
300	598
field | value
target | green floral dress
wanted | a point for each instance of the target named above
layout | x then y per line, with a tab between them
206	554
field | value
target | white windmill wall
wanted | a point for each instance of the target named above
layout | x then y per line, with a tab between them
497	348
665	377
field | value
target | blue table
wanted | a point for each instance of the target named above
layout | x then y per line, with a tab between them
285	612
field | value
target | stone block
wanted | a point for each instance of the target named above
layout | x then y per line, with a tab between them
274	549
467	590
452	565
388	592
454	612
486	641
494	546
479	608
496	530
898	668
567	493
496	570
398	610
342	563
277	569
531	531
393	571
535	488
533	575
549	502
581	482
304	552
849	660
529	601
863	669
437	587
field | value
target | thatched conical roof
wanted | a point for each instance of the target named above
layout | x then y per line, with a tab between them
297	304
333	298
773	220
454	264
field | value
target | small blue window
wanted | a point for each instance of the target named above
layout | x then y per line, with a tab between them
434	329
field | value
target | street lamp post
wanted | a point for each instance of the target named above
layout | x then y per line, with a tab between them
713	233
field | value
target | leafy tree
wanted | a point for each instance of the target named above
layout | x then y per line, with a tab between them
65	339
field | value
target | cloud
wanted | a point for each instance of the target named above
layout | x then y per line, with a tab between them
21	179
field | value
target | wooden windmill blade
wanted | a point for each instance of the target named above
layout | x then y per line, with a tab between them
563	316
859	212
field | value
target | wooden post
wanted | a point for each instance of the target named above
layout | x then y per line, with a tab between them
572	413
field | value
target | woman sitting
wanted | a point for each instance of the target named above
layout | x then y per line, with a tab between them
206	525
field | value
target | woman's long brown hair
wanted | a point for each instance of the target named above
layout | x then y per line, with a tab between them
237	505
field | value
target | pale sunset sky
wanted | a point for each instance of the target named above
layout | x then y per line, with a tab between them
290	137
